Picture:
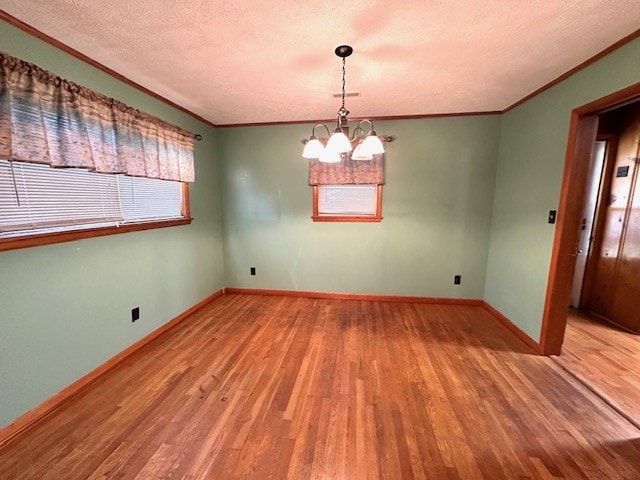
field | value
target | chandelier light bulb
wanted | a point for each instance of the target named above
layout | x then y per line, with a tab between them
360	153
372	144
339	142
329	156
313	148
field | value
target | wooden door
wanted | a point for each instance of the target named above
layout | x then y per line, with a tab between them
615	287
588	219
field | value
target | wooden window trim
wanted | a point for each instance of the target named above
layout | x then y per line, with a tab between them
377	218
71	235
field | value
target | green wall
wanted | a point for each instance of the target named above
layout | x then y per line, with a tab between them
533	142
66	308
436	206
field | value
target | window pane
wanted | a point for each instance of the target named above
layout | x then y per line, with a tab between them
39	199
347	199
34	196
145	199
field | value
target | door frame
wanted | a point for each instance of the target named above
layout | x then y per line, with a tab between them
572	197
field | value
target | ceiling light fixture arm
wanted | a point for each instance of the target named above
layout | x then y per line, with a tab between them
313	130
362	130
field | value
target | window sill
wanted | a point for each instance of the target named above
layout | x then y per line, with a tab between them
329	218
51	238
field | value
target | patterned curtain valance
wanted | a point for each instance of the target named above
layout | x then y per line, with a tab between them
347	172
46	119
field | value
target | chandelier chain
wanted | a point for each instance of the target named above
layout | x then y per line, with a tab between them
343	80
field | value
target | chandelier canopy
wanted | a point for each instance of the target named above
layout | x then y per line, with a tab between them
332	148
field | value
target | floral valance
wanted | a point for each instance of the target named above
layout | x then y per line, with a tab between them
50	120
347	172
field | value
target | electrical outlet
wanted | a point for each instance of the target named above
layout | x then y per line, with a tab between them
135	314
253	270
457	279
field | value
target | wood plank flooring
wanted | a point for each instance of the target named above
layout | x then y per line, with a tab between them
606	358
257	387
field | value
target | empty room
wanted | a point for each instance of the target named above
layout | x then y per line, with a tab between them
301	240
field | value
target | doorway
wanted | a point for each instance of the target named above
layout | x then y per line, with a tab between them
582	136
611	250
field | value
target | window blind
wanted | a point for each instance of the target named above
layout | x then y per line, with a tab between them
36	198
148	199
347	199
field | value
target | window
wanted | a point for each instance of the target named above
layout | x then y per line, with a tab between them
347	203
75	163
40	204
347	191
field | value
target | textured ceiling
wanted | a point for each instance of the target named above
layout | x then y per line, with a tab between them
272	60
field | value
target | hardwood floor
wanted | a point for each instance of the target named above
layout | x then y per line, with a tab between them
606	358
280	387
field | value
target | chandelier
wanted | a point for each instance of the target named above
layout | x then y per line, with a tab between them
364	144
